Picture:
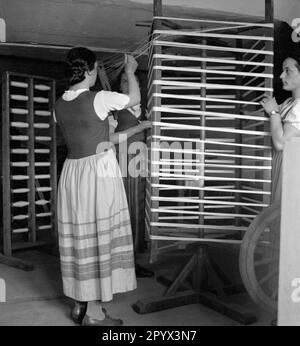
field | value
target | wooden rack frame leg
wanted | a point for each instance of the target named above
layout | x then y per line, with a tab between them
200	266
16	262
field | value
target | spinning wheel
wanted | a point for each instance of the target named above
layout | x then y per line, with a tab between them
259	258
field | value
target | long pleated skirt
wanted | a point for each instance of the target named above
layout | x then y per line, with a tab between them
95	239
276	176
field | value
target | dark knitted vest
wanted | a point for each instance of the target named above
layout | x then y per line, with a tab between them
82	129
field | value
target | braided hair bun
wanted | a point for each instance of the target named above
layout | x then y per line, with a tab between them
79	60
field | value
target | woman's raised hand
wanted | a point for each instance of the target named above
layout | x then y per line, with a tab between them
269	104
146	124
130	63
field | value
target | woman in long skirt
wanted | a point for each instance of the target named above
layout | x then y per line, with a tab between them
95	240
284	118
285	124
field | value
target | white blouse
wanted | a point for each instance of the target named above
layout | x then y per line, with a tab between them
290	112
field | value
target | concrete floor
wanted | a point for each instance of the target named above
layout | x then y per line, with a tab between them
35	298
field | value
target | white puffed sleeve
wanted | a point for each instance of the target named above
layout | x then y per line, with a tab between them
293	116
106	101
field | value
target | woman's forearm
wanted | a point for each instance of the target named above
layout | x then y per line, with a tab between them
134	90
277	132
122	136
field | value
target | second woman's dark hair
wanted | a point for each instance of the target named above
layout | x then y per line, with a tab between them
79	60
295	54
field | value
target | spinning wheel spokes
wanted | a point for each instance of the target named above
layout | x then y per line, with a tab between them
268	277
265	261
259	258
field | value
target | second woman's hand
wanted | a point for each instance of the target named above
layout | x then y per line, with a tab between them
143	125
130	64
269	104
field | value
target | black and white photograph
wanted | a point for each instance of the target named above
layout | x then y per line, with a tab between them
150	166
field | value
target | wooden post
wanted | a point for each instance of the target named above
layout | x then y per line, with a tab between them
289	266
31	160
155	130
53	166
157	8
269	11
238	125
269	45
199	268
202	137
6	167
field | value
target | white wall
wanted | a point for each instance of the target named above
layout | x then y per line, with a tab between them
294	11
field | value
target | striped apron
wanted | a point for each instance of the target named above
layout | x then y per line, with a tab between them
95	240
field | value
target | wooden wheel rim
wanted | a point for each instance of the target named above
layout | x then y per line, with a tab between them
247	253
